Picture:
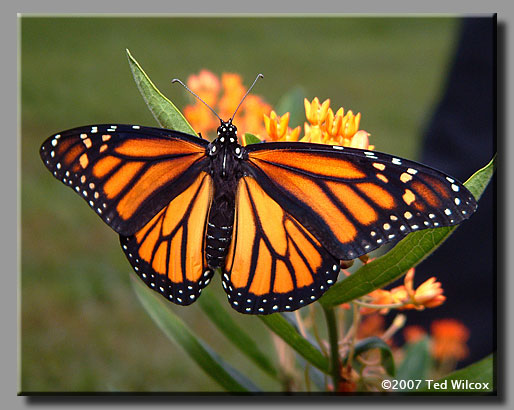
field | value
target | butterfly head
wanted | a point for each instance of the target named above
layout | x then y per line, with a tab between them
227	132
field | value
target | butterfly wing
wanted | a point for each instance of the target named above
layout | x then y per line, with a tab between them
352	200
126	173
168	252
273	264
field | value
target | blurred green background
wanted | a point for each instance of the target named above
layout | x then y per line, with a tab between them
82	327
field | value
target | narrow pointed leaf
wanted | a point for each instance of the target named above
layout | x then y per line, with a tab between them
406	254
164	111
177	331
284	329
234	333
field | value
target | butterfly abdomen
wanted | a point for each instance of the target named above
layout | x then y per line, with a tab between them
219	231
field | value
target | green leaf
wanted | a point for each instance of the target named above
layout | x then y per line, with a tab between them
164	111
406	254
292	102
480	372
374	343
233	332
177	331
416	363
284	329
251	139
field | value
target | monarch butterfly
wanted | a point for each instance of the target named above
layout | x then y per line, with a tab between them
277	218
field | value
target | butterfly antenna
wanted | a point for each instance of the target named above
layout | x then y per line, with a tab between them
250	89
176	80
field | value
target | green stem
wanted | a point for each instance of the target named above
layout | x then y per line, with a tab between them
334	346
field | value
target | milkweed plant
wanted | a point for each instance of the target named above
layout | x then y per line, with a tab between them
352	350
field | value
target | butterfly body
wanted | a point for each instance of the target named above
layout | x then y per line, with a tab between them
225	155
277	218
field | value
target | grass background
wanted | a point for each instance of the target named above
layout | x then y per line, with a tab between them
82	328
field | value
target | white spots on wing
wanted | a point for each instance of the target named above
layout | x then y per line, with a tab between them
379	166
455	188
412	171
447	211
338	147
457	201
450	180
387	226
396	161
407	215
136	127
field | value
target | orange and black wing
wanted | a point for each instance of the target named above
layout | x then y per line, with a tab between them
168	252
354	201
126	173
273	263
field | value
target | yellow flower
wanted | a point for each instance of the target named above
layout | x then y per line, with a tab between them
325	127
277	128
449	338
314	112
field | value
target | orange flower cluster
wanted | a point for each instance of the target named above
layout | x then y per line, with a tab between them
208	87
449	338
428	294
